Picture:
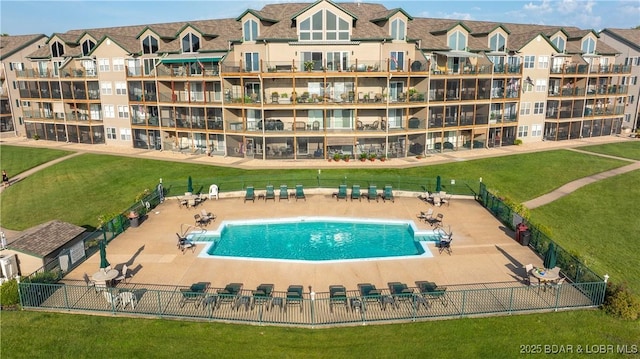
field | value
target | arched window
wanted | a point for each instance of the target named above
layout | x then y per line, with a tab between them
588	46
87	46
398	28
457	41
190	43
250	30
149	45
559	42
57	50
324	25
498	43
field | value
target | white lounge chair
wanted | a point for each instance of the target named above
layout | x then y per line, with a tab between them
213	191
127	298
123	275
112	300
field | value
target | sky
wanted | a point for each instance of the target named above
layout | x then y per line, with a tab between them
48	17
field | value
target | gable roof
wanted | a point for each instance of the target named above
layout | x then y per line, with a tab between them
45	238
630	37
9	45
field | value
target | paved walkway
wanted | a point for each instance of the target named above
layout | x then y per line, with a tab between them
457	156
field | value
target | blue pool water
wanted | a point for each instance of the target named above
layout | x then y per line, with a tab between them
317	239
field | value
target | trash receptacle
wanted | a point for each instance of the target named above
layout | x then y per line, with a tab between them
525	237
521	227
134	219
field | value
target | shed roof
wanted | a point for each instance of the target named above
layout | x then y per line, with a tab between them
45	238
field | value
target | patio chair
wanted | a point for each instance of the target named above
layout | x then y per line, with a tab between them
271	193
444	243
342	192
369	293
184	244
207	216
123	275
338	296
355	192
427	216
90	283
262	295
555	286
400	292
194	294
446	199
127	298
300	192
431	291
250	194
183	202
437	221
294	297
372	193
113	301
213	191
284	193
387	195
200	221
229	294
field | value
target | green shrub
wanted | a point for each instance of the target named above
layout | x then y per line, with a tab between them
517	141
44	277
620	302
9	293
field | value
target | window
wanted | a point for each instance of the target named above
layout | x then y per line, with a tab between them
251	61
525	108
541	85
323	25
87	46
106	88
109	111
588	46
398	27
559	42
16	66
121	88
523	131
57	50
538	108
536	130
315	57
26	104
118	64
190	43
149	45
397	60
103	65
543	62
337	61
149	65
250	30
111	133
497	43
125	134
457	41
634	80
123	111
631	100
529	61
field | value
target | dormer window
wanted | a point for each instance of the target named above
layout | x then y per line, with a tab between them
250	30
498	43
190	43
149	45
588	46
87	46
57	50
398	27
559	42
324	25
457	41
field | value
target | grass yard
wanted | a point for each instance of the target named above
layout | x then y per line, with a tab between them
58	335
600	224
629	149
17	159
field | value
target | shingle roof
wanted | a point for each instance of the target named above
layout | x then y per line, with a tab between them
10	44
45	238
629	36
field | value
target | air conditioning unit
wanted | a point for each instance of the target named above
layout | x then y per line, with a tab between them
9	266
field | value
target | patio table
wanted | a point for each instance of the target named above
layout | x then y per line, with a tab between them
545	275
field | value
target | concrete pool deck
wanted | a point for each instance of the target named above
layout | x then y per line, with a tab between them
484	251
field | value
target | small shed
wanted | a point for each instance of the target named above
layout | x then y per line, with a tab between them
51	241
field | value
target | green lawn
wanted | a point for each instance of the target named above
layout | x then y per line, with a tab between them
108	184
629	149
56	335
17	159
600	223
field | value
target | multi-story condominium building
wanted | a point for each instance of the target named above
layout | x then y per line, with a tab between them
13	52
627	44
302	80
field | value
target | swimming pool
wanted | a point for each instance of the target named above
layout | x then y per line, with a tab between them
317	239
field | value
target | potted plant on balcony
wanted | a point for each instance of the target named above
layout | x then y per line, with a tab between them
383	157
308	65
346	157
336	156
372	157
363	156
